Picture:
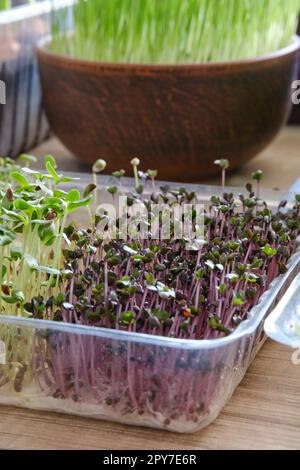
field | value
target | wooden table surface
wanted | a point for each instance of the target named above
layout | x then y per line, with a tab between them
264	412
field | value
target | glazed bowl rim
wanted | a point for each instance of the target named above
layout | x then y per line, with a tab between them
42	51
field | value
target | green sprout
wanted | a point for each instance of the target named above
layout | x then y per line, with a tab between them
257	176
175	31
152	174
27	159
97	168
135	162
223	164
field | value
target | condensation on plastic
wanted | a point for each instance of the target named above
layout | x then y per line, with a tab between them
174	384
22	121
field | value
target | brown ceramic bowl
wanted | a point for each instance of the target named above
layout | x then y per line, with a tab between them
177	119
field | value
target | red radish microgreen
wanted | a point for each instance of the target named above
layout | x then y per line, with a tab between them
257	176
217	279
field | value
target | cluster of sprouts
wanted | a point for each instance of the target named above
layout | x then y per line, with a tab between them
55	268
51	269
174	31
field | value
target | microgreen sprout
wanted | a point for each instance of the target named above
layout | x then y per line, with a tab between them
27	159
135	162
98	167
257	176
152	174
223	164
119	173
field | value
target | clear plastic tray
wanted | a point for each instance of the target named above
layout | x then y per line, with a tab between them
283	324
173	384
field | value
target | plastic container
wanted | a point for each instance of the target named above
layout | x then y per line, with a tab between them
22	121
283	325
173	384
